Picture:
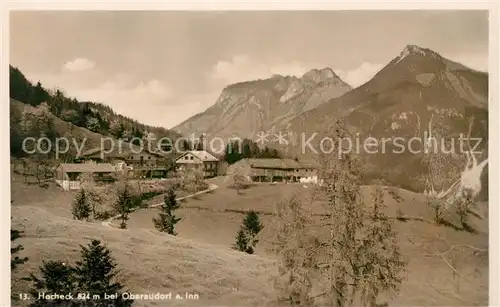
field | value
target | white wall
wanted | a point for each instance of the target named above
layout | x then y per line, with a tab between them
188	159
68	185
312	179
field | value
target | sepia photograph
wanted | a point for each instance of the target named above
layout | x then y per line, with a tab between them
316	158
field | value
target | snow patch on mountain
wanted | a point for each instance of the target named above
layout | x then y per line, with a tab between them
415	50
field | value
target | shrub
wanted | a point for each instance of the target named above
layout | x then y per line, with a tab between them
81	208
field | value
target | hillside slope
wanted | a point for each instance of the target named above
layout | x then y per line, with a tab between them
38	122
199	259
151	262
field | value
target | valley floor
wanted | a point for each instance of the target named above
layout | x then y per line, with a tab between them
200	259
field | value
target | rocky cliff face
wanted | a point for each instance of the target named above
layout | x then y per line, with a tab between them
244	109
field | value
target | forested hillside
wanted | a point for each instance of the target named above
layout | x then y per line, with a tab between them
96	117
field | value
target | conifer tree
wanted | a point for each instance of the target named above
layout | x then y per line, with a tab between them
241	243
246	236
296	247
123	205
381	257
95	274
56	278
166	220
361	252
81	208
252	223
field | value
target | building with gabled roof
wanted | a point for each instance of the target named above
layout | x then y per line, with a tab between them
199	159
67	175
271	170
140	162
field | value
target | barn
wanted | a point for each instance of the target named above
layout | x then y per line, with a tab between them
68	174
276	170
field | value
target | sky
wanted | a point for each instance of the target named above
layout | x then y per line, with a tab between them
162	67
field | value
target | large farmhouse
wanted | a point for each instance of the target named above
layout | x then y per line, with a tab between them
137	162
199	159
68	174
272	170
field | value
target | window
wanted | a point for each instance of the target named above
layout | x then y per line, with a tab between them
191	158
149	158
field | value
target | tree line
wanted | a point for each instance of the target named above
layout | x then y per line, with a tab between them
238	150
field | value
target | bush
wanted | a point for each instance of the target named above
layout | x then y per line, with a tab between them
149	195
438	208
103	215
14	259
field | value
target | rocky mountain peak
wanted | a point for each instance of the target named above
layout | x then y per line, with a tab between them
320	75
245	107
415	50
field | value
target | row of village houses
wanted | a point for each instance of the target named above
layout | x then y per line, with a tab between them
148	164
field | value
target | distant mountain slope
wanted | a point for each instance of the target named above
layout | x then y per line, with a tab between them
244	109
36	111
416	88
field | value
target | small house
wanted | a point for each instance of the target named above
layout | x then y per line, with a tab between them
68	174
199	159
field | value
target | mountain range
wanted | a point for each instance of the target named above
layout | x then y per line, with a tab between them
417	93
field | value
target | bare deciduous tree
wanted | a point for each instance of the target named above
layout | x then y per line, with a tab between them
463	205
438	208
238	179
192	180
94	194
43	168
26	171
466	264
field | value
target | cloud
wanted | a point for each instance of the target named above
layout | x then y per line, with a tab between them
243	68
361	74
475	61
79	64
146	100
